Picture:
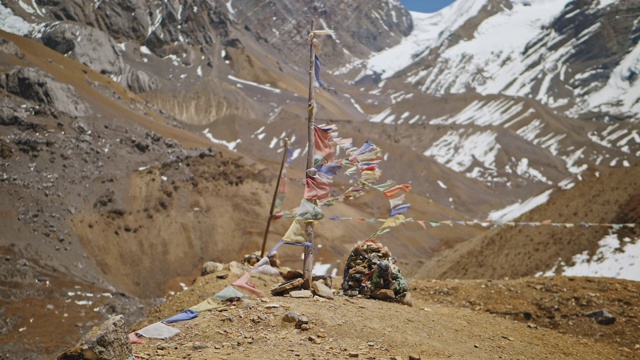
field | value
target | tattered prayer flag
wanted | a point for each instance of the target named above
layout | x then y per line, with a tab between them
387	185
422	224
397	200
400	209
323	143
328	127
308	211
324	178
365	147
335	218
315	189
389	193
317	72
369	167
345	142
369	156
279	200
283	185
295	234
330	169
434	223
393	221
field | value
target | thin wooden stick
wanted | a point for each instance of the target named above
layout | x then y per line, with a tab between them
275	197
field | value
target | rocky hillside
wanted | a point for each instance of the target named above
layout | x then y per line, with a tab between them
141	138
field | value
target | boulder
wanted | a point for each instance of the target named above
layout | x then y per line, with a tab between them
211	267
108	341
86	44
322	290
35	85
602	317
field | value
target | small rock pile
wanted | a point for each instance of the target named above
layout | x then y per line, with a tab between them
370	271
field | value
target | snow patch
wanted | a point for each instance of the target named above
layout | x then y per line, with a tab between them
514	211
611	260
229	145
12	23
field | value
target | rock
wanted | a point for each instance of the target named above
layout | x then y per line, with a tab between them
602	317
211	267
292	274
383	294
301	294
36	85
108	341
237	268
11	115
302	323
406	299
414	357
88	45
354	354
139	81
9	47
291	317
314	340
222	276
327	280
286	286
322	290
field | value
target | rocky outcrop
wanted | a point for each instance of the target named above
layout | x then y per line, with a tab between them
35	85
108	341
360	26
88	45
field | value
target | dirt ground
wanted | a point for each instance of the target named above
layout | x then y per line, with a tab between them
531	318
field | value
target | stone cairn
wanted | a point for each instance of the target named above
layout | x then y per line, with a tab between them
371	271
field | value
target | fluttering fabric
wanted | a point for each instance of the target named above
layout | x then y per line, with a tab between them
244	285
229	292
158	331
400	209
295	233
183	316
393	221
323	143
396	201
308	211
391	192
207	305
316	189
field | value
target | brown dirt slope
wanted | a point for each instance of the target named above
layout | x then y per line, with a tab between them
449	319
609	197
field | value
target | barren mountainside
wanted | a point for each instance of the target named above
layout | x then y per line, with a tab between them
141	138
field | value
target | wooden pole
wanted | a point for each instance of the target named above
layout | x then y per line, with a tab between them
275	197
308	250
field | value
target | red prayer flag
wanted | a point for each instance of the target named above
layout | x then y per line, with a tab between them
323	143
389	193
315	189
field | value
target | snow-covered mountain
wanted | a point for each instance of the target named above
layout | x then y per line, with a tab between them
523	94
516	96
